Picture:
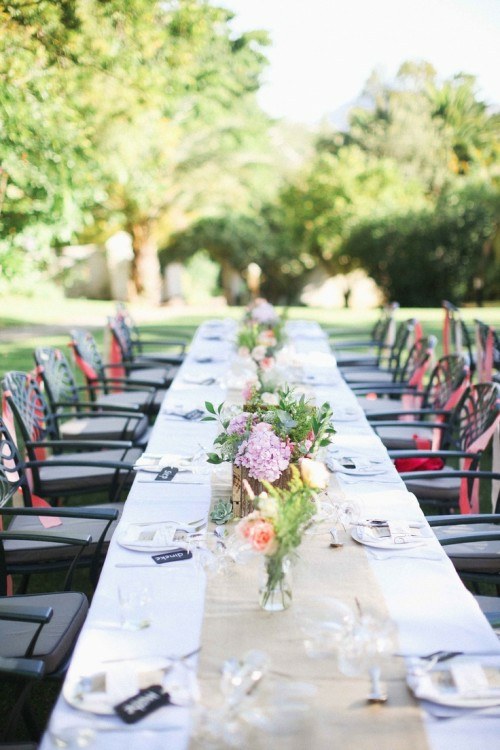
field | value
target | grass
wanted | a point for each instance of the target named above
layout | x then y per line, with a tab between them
26	323
29	322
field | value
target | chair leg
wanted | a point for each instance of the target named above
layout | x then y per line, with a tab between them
23	584
8	733
31	722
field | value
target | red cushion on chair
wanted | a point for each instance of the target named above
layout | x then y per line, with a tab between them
418	464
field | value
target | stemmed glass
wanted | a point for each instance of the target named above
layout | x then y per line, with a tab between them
364	647
221	724
323	622
346	514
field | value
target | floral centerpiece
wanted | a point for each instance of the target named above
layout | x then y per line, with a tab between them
276	526
261	333
265	438
261	312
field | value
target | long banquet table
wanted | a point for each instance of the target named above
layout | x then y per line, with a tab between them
418	587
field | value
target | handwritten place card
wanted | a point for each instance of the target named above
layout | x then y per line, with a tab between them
166	474
174	555
143	703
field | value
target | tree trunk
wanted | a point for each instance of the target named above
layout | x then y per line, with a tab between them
145	274
231	283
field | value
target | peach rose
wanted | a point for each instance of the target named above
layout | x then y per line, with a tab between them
263	537
245	526
267	363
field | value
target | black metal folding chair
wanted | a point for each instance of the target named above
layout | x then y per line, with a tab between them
84	420
104	386
61	468
37	538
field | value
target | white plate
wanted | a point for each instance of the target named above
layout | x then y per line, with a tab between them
129	537
347	415
362	534
365	469
127	678
429	689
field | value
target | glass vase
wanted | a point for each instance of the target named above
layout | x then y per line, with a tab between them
275	589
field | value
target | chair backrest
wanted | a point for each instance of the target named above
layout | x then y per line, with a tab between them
380	330
88	360
487	351
403	342
417	362
12	475
134	335
475	417
121	336
447	382
456	335
472	425
32	413
53	369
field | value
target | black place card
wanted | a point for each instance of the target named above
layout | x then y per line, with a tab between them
194	415
204	360
173	555
166	474
142	703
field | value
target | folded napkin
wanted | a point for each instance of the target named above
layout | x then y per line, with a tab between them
156	462
357	465
106	687
419	464
198	379
393	535
150	535
185	414
347	414
465	681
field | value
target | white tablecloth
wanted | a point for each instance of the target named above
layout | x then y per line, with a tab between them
425	598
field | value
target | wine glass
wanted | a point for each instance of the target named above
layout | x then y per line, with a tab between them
221	723
364	647
323	622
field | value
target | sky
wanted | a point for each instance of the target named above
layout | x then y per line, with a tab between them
323	51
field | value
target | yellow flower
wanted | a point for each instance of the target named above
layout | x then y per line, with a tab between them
314	473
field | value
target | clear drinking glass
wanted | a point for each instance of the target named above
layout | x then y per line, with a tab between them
135	604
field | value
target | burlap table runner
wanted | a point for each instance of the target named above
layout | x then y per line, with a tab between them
340	716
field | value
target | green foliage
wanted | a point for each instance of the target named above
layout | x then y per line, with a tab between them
409	193
337	191
122	114
434	254
235	240
308	427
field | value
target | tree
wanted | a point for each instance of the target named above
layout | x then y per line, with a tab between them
333	193
123	114
423	256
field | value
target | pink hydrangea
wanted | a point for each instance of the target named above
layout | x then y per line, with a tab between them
239	424
264	454
264	313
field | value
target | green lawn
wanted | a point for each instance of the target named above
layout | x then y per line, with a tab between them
29	322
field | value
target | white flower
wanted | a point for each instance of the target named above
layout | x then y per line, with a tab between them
258	353
266	338
314	473
268	506
270	399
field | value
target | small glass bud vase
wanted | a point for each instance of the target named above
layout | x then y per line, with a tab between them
275	589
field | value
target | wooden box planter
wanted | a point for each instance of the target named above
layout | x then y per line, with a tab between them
242	504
